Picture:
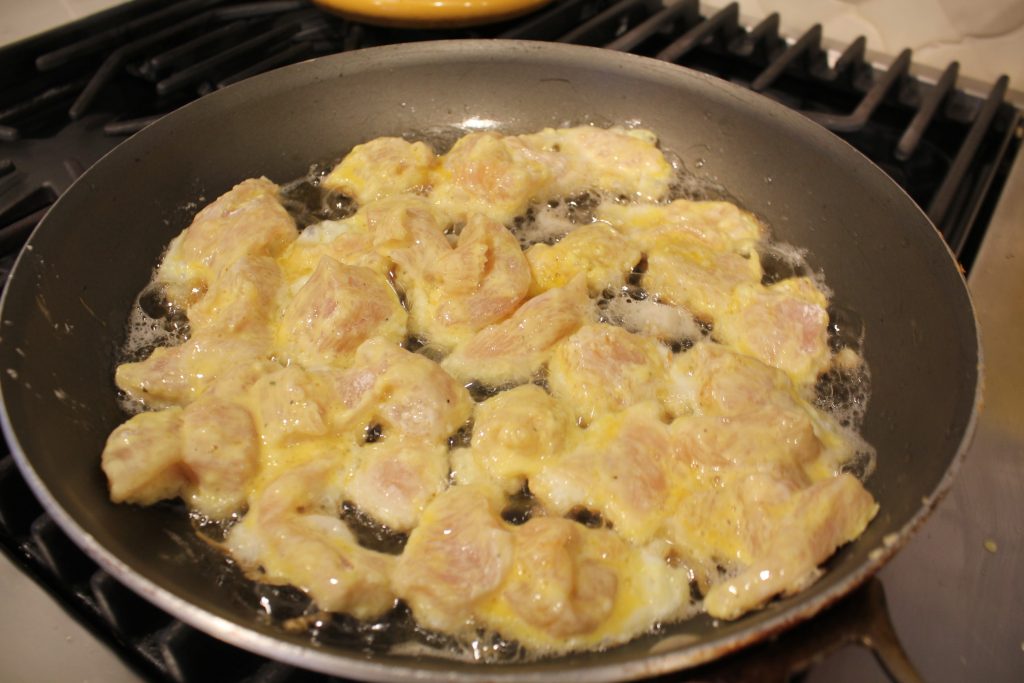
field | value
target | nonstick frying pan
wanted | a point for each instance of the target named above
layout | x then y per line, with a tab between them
65	306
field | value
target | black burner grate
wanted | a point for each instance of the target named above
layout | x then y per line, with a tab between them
70	95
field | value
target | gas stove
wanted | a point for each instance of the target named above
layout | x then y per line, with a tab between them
70	95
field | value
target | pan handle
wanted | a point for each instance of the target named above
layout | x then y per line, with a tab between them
862	617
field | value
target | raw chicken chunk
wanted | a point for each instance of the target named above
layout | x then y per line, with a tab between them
142	458
617	161
452	293
404	394
293	534
176	375
394	480
220	448
291	405
513	351
559	582
229	326
811	526
517	432
699	279
717	226
784	325
338	309
621	468
246	221
489	174
459	554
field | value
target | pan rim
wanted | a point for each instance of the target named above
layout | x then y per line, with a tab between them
355	665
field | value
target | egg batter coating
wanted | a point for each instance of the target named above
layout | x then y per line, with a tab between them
618	161
517	432
567	391
606	256
715	225
381	168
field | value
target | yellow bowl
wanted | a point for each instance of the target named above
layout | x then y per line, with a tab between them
430	13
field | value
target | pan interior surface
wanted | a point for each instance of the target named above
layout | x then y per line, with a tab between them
66	304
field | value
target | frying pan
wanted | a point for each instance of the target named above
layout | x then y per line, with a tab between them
66	303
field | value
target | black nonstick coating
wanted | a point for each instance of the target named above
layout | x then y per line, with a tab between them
66	303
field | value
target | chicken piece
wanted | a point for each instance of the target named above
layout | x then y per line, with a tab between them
452	293
489	174
606	256
369	237
293	534
555	584
176	375
617	161
220	448
338	309
712	379
406	395
230	327
784	325
603	369
621	468
349	242
290	405
248	220
808	528
235	382
777	441
459	554
718	515
408	223
717	226
381	168
394	480
574	588
698	279
513	351
242	299
518	431
142	458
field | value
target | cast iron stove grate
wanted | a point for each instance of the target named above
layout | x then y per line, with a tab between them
70	95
